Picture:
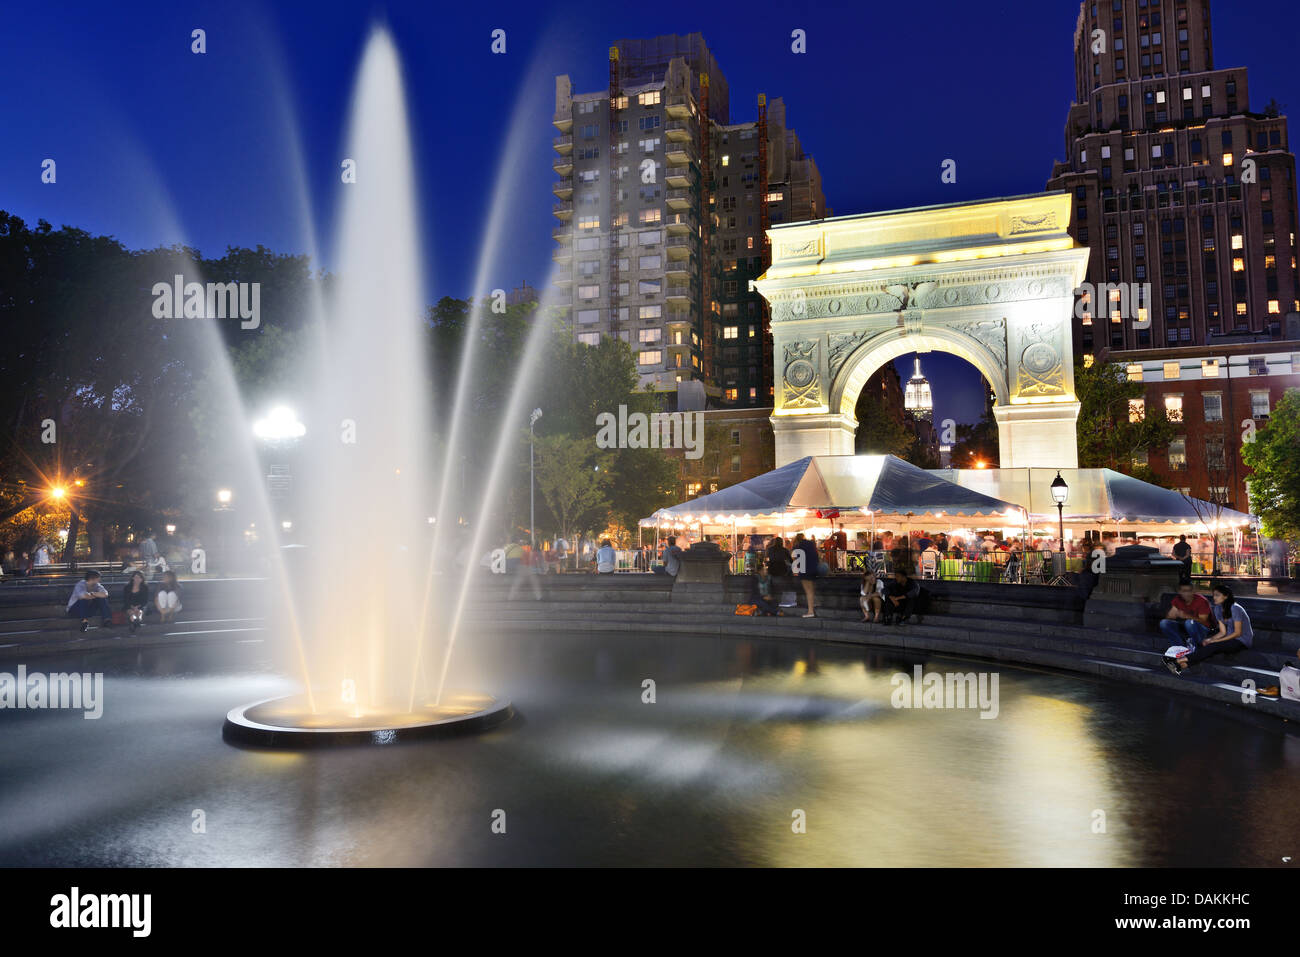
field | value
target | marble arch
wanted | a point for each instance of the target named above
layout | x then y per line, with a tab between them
991	281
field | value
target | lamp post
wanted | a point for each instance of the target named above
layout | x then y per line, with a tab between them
1060	493
532	484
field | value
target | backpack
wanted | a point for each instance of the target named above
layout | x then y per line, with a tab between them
746	609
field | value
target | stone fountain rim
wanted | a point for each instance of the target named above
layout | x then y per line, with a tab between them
241	730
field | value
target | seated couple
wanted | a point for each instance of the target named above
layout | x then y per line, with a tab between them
1208	629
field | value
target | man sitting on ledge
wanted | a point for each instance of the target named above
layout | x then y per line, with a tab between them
901	597
89	596
1234	634
1189	618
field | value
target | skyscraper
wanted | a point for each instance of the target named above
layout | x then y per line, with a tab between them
662	224
1184	194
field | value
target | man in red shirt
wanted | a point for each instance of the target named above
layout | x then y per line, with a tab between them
1188	621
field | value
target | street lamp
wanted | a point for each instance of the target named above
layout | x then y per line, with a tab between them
223	497
1060	493
532	485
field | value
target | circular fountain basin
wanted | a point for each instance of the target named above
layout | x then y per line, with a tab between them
290	723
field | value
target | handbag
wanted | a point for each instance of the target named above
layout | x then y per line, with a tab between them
1289	680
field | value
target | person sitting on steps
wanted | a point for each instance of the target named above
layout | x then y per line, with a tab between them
135	599
89	596
168	599
901	598
1234	634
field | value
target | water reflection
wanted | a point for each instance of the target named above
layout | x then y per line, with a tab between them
739	738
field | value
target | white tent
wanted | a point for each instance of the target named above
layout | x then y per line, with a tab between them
863	488
1098	497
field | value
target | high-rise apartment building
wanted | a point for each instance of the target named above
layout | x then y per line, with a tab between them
1184	195
663	204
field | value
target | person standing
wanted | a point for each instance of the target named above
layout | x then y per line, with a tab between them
1183	553
90	597
807	574
841	548
605	558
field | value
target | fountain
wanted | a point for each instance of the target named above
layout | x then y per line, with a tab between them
364	606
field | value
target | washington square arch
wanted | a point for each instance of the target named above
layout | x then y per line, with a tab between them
990	281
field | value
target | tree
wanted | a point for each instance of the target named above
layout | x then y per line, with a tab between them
1113	428
879	432
1273	457
573	476
977	442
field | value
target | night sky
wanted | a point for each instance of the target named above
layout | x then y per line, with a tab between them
156	145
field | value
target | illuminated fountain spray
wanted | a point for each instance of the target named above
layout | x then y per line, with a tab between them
361	583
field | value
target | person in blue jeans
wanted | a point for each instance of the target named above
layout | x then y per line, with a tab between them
805	566
90	597
1234	633
1189	620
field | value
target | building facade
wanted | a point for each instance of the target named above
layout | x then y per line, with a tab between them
662	205
1221	394
1184	194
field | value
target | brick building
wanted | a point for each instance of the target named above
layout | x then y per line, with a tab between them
1221	393
1179	185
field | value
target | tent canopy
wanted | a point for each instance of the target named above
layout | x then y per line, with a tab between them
860	486
1095	496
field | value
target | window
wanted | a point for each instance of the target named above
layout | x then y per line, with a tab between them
650	357
649	335
1135	372
735	459
1209	368
1174	407
1213	402
1137	409
649	217
589	222
648	287
589	338
648	98
1215	461
648	238
735	436
1259	406
1258	365
589	292
649	262
731	332
589	315
650	312
1172	370
1178	454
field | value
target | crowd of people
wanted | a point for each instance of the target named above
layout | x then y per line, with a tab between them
90	599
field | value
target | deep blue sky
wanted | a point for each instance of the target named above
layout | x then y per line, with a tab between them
157	145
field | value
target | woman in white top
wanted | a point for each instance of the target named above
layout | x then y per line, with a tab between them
871	596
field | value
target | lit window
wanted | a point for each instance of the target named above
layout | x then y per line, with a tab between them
1209	368
1274	308
1135	372
1236	241
1241	308
1174	407
1227	159
726	160
649	335
650	357
1137	409
731	332
1172	370
589	338
1178	454
1238	264
1088	360
649	98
